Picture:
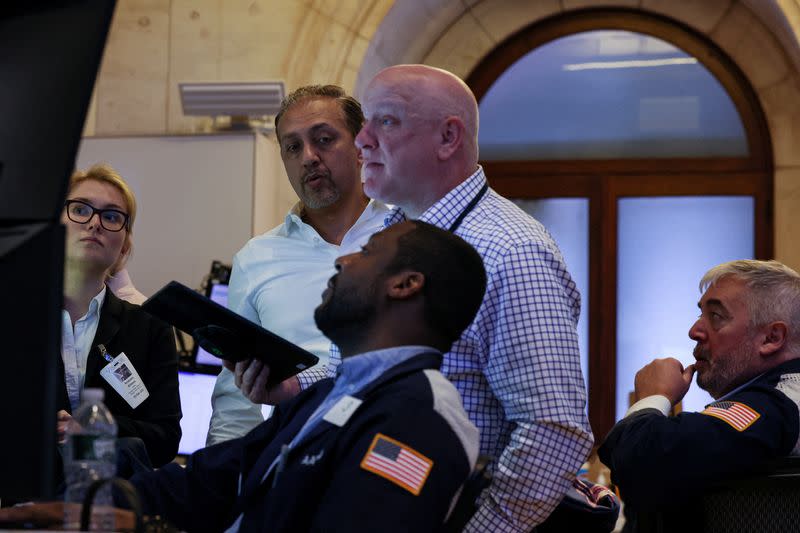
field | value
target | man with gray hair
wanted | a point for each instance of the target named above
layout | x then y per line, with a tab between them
748	359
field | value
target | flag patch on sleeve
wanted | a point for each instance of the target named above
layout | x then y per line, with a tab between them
398	463
736	414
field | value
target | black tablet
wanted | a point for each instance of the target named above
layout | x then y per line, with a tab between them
225	334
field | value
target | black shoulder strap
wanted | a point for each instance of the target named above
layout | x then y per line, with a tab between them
457	223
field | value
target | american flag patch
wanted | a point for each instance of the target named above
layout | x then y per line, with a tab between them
736	414
398	463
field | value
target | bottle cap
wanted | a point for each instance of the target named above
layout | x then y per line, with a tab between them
93	395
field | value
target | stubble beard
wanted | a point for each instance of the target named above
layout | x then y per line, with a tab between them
344	316
324	196
722	375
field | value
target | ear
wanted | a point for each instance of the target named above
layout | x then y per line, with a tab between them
452	136
124	252
405	285
126	249
774	339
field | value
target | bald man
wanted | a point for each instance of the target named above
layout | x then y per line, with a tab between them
517	366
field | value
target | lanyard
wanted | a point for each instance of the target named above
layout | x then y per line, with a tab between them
455	225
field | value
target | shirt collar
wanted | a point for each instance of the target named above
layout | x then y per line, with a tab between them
373	207
294	218
781	368
362	369
447	209
97	302
95	305
737	389
295	215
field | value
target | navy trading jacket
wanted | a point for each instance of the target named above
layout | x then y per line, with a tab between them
660	463
396	464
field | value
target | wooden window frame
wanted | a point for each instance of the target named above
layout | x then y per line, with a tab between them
604	181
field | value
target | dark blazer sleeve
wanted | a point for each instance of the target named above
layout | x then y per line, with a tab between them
150	346
657	460
203	495
199	497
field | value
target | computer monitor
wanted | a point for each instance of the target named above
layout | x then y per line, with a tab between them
196	384
195	391
51	51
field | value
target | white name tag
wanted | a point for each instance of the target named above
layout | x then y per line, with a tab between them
121	375
342	410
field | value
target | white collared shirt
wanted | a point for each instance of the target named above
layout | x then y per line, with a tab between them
277	281
76	343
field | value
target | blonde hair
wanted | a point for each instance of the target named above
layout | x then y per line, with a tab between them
105	173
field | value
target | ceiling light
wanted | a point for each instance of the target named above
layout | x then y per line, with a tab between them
641	63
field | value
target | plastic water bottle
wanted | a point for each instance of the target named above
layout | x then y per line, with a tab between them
89	455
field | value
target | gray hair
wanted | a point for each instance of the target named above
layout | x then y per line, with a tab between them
774	292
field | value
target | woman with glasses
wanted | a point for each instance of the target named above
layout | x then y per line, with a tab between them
99	329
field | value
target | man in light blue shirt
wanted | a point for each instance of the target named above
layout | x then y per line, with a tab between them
277	277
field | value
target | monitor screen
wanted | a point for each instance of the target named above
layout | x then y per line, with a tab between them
195	390
203	360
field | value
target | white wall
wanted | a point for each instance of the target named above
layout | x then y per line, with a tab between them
197	198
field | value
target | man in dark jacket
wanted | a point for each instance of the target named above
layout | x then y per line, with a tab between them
748	359
386	445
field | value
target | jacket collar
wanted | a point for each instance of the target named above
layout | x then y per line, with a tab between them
421	361
770	376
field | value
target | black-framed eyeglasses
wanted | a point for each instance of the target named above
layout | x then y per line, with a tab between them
81	212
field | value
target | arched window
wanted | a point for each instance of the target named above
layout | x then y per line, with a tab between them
608	94
644	151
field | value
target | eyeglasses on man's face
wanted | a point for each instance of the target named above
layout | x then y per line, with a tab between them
81	212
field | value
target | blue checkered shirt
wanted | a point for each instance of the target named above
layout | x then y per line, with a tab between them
517	366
